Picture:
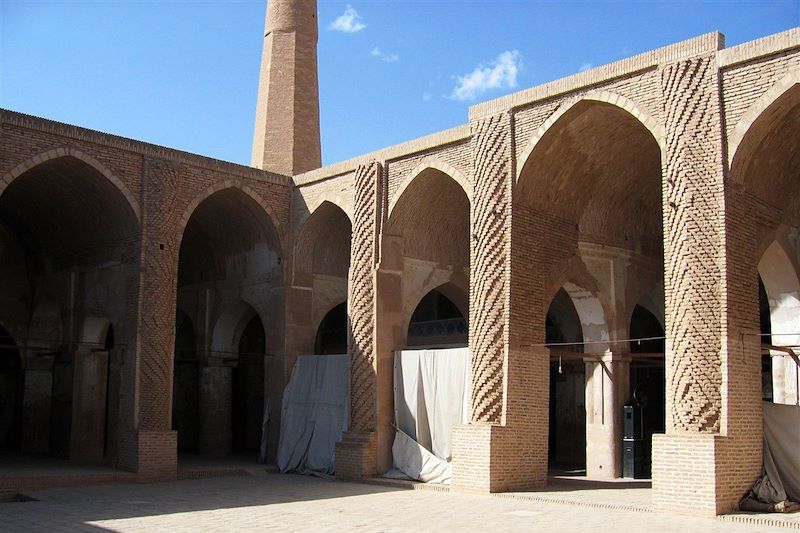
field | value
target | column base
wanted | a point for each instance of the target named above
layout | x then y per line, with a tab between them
491	458
156	455
705	475
215	437
89	400
356	456
37	403
607	389
603	453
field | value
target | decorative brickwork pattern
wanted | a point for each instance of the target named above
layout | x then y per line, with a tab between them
692	195
159	269
361	300
489	260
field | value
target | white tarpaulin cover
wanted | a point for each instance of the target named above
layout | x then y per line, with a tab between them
314	414
781	454
431	395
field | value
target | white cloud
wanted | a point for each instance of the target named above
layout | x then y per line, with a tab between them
426	96
499	74
584	67
388	58
348	22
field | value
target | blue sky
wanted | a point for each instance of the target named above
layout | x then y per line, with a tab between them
185	74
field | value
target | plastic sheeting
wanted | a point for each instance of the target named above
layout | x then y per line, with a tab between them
781	479
431	395
314	414
415	462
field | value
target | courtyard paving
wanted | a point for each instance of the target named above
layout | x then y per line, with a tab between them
274	502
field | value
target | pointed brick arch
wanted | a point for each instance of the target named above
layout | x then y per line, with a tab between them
782	285
228	327
313	229
337	200
655	128
240	186
67	151
756	110
454	288
435	164
592	315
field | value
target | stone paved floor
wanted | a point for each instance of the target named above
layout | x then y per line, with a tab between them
297	503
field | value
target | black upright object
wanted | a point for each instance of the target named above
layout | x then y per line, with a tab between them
633	442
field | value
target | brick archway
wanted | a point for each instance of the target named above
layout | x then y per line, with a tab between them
626	104
241	187
757	110
435	164
66	151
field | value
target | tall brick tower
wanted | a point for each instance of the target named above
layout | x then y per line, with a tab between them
286	137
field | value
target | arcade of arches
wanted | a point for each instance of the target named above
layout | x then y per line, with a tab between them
630	235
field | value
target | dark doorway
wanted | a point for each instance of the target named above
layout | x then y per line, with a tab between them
765	324
645	325
332	332
248	388
11	389
567	433
647	380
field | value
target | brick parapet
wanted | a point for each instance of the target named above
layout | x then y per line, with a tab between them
701	45
72	133
432	143
758	48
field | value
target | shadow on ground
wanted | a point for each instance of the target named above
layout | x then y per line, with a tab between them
78	507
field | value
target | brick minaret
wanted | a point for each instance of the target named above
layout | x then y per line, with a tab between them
286	137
